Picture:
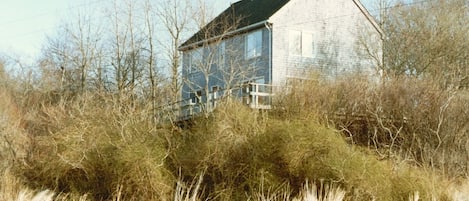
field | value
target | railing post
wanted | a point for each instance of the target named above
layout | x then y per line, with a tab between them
257	95
190	109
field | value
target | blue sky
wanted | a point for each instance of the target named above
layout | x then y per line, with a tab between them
26	23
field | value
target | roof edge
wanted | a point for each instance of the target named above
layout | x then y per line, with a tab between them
370	18
234	32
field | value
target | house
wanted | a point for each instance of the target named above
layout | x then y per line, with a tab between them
254	44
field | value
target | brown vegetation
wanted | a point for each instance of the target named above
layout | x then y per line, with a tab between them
107	148
408	118
84	124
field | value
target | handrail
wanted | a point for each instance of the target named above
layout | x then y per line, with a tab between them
256	96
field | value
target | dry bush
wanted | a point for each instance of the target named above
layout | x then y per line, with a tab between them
459	191
411	118
316	153
243	152
222	146
14	142
10	186
99	146
108	148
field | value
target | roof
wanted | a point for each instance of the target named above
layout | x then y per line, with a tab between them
239	15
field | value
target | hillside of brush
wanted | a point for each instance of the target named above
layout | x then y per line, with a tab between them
403	139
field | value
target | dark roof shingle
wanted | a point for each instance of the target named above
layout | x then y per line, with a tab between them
238	15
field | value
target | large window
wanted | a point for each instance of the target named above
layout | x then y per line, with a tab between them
254	45
301	44
195	60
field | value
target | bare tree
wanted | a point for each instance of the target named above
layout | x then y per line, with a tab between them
419	111
150	61
86	40
131	46
73	55
176	18
429	39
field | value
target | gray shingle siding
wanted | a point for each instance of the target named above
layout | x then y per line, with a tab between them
235	58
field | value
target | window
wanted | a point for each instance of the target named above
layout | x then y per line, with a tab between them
214	93
295	43
253	45
195	60
307	45
301	44
195	97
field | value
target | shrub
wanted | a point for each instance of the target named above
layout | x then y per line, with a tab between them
99	148
401	117
14	142
320	154
224	147
243	151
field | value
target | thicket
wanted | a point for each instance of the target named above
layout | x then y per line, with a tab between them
402	117
94	145
106	148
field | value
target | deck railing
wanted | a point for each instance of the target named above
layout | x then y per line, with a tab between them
254	95
259	96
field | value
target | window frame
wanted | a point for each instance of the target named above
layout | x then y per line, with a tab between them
253	44
298	43
195	97
194	67
214	92
294	46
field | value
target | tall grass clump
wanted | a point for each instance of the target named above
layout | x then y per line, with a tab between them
13	189
10	186
326	192
98	146
309	192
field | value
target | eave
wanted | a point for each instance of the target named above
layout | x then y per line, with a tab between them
223	36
